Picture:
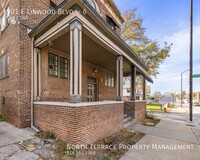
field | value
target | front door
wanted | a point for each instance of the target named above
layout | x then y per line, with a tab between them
91	90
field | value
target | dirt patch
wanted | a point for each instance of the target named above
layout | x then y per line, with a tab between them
109	148
151	120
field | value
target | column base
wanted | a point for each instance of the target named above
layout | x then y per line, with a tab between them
132	98
37	98
75	99
119	98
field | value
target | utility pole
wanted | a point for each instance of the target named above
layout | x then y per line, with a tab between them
182	87
191	61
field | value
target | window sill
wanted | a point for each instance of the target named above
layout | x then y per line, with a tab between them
4	78
2	32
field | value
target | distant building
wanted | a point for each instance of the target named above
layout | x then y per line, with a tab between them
196	96
139	92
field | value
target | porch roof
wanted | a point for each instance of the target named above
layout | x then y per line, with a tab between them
51	17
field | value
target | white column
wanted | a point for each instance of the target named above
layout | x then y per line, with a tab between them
133	83
36	74
144	89
75	62
119	78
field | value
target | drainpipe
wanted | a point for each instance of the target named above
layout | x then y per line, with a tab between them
32	87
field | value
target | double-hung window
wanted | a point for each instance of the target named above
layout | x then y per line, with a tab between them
58	66
63	67
109	80
4	19
4	63
53	65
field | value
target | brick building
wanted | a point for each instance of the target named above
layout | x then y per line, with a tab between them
62	64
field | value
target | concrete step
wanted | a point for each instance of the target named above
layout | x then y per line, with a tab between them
127	119
129	124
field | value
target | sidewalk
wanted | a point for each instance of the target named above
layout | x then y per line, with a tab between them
168	132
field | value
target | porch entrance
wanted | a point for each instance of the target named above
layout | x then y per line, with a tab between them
92	89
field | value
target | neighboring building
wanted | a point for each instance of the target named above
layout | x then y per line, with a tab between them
64	72
196	96
139	91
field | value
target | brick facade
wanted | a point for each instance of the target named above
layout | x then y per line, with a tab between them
139	108
17	87
58	89
81	124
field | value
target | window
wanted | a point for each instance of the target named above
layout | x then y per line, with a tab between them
4	63
109	80
53	65
4	19
52	4
92	3
111	22
63	67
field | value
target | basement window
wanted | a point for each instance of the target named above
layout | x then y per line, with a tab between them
4	63
109	80
63	67
53	65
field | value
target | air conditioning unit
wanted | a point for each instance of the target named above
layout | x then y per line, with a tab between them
2	99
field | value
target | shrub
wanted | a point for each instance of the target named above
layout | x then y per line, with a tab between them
1	118
46	135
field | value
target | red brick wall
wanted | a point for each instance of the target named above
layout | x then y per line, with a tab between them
79	124
140	111
10	87
139	108
17	88
104	12
58	89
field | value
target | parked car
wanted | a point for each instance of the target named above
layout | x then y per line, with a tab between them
196	103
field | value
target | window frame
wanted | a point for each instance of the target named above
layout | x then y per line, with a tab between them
111	22
4	23
4	66
54	55
52	5
60	57
109	80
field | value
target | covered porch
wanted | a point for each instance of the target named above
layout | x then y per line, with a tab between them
78	65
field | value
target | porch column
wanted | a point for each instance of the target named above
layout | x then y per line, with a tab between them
144	88
75	62
36	72
133	83
119	78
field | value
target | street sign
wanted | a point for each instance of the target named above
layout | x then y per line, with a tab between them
196	76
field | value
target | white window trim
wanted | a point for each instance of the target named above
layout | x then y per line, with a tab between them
4	19
96	5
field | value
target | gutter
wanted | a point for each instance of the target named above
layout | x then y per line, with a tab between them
32	87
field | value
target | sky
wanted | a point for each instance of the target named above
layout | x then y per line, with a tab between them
169	21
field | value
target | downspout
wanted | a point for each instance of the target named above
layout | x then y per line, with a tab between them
32	86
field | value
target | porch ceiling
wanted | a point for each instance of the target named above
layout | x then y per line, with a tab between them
93	52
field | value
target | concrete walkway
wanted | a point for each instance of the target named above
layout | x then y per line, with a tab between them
170	132
10	134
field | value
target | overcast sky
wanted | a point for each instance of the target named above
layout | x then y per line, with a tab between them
168	20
